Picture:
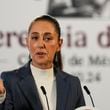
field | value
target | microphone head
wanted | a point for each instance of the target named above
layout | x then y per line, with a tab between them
43	90
87	90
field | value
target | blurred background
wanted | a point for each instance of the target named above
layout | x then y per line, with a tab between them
85	26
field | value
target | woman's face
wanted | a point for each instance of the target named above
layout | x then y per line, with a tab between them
43	43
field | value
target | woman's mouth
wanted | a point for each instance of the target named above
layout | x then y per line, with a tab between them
41	53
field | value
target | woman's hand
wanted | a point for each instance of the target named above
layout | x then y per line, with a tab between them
2	88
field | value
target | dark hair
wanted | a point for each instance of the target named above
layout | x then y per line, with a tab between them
57	58
49	19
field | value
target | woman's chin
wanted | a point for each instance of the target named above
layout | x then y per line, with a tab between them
42	63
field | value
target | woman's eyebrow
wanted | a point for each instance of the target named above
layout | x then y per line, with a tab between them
34	33
47	33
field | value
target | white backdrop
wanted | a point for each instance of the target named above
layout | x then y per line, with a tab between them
86	48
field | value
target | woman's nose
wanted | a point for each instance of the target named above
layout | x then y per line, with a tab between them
40	44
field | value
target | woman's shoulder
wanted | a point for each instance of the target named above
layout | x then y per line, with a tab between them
11	73
69	76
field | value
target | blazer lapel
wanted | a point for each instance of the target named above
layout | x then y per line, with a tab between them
28	87
62	90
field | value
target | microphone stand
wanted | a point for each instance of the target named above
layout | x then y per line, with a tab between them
44	92
88	92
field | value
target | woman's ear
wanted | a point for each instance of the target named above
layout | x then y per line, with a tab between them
60	44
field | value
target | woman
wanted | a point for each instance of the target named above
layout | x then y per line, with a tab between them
23	85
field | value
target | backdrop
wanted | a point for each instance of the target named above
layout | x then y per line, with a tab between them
86	33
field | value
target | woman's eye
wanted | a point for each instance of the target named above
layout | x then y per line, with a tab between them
34	37
48	38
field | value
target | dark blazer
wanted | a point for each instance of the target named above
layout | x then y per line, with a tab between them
22	92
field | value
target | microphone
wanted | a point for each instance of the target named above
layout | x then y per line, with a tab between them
44	92
88	92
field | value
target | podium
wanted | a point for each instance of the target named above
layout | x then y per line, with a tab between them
86	108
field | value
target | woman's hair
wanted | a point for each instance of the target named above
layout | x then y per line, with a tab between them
57	58
49	19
